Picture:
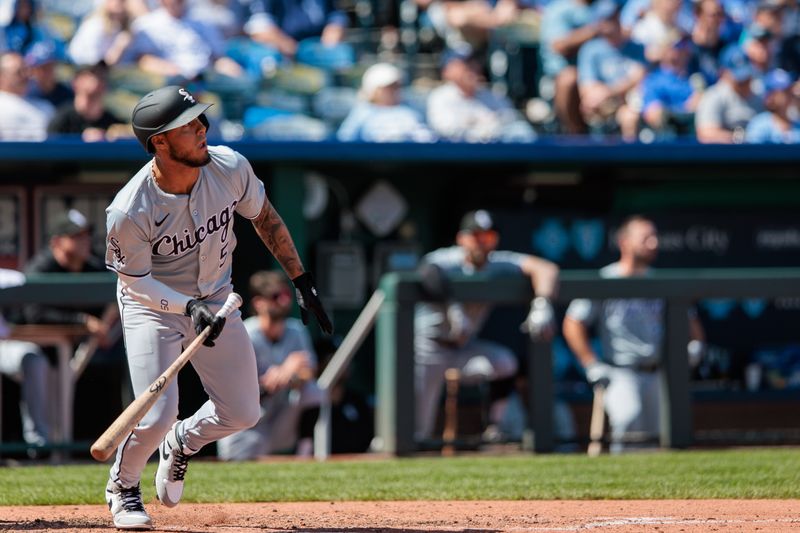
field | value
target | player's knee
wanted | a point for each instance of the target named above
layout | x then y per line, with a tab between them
622	416
243	418
251	418
34	361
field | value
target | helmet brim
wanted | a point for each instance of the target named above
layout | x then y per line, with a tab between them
184	118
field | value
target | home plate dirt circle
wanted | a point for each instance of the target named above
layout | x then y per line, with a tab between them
664	516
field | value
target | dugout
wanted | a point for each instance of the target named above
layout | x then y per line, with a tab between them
356	210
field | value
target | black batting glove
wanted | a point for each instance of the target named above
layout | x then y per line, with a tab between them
306	294
202	317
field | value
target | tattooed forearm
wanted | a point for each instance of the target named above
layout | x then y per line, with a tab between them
270	227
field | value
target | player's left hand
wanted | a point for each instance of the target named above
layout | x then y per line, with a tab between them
202	317
307	298
540	323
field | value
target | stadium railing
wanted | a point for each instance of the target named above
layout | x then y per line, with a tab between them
394	385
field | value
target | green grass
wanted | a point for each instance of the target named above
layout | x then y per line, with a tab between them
757	473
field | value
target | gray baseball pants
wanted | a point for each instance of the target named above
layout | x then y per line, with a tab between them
477	360
153	341
24	362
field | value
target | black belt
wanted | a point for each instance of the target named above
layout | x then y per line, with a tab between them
647	368
452	345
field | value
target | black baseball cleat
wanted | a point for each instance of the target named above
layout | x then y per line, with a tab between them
173	460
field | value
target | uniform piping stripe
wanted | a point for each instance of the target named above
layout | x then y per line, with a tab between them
111	267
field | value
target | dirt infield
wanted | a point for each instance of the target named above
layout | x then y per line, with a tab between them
664	516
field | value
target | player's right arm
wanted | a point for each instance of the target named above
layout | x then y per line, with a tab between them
575	329
128	254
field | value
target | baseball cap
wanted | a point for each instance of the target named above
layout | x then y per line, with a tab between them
757	31
777	80
380	75
451	55
735	61
479	220
604	9
41	53
70	222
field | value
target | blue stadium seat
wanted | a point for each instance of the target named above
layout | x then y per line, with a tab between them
279	125
332	104
312	52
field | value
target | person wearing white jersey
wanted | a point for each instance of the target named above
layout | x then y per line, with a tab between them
445	331
26	363
631	332
170	240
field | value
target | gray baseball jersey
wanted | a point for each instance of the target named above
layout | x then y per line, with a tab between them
434	321
183	240
632	329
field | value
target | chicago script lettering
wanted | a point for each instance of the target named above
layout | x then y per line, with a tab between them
178	245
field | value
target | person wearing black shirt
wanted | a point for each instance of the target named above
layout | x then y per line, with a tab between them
86	114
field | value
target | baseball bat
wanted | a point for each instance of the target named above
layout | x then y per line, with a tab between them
451	377
597	425
105	445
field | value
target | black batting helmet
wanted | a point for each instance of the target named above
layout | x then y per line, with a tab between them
165	109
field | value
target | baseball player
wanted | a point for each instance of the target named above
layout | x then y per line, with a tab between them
287	366
631	332
445	332
170	240
26	363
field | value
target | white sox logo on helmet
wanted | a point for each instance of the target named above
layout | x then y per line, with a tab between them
186	96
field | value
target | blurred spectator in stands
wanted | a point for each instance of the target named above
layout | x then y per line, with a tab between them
25	363
790	47
284	23
633	11
669	94
42	60
566	26
380	116
19	26
168	43
725	108
464	109
86	115
105	35
22	118
469	22
70	250
227	16
708	40
287	366
610	66
656	26
779	123
761	40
